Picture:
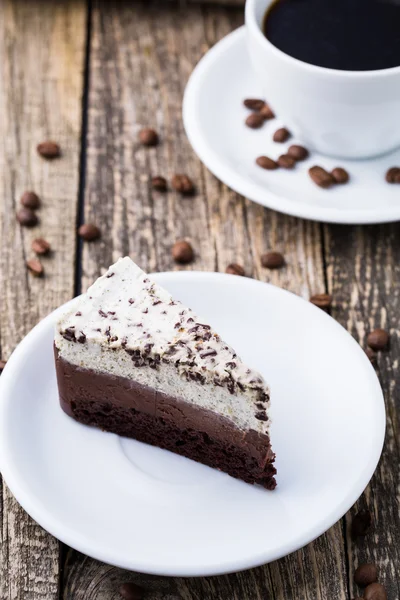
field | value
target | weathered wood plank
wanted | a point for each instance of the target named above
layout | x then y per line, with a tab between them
41	60
138	71
363	267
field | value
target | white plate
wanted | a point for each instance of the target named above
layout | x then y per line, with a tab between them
145	509
214	116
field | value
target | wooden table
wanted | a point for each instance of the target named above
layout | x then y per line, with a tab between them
89	77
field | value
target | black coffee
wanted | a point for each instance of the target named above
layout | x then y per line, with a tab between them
352	35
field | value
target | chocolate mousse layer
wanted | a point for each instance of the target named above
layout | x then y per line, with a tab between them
130	409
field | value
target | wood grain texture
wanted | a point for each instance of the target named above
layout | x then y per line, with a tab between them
138	71
363	268
41	60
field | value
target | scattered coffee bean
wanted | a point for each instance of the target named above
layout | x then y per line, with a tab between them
321	300
321	177
2	365
254	104
371	355
378	339
255	120
366	574
235	269
361	523
159	183
298	152
340	175
183	184
266	163
35	267
27	218
281	135
40	246
182	252
272	260
286	162
148	137
49	149
393	175
131	591
89	232
267	112
375	591
30	200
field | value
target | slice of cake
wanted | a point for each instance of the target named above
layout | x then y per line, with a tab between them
132	360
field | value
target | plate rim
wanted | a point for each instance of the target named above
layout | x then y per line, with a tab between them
213	161
61	532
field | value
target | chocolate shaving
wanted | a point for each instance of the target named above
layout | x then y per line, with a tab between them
131	301
69	334
231	365
82	338
156	302
261	416
102	313
78	314
208	353
110	275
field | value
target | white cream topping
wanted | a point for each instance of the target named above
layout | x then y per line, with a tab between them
128	325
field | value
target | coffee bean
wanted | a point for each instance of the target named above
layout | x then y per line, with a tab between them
298	152
321	177
30	200
366	574
183	184
254	104
182	252
40	246
361	523
321	300
267	112
281	135
89	232
35	267
131	591
49	149
235	269
286	162
2	365
340	175
27	218
272	260
375	591
148	137
378	339
159	183
393	175
371	355
266	163
255	120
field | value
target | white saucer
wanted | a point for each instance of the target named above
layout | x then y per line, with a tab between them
214	116
144	509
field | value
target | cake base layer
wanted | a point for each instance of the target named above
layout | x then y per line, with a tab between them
133	410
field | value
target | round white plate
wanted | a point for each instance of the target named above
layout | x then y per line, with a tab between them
148	510
214	116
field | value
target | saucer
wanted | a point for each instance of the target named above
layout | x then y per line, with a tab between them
214	116
145	509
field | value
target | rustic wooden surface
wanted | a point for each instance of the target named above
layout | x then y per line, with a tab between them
42	55
128	70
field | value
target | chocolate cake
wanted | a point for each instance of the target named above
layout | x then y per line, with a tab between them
132	360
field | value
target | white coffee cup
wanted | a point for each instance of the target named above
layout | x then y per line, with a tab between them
349	114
